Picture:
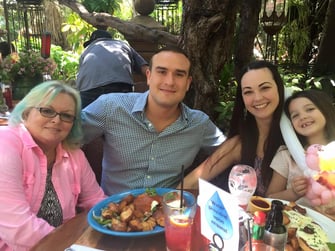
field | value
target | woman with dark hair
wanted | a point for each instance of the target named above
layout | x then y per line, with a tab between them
255	135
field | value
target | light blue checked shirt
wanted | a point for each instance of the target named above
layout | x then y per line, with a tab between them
135	155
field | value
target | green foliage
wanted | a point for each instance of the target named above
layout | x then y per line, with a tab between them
125	12
77	31
25	64
294	36
227	89
293	79
317	81
301	81
297	40
107	6
325	83
67	64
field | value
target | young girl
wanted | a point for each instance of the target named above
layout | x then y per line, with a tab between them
313	118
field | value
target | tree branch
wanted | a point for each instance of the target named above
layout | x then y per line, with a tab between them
127	28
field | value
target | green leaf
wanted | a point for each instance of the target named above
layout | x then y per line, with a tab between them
101	220
151	191
331	246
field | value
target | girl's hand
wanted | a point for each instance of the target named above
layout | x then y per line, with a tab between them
300	185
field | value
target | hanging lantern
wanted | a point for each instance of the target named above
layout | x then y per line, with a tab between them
273	18
46	44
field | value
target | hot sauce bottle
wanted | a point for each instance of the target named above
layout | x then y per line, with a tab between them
257	232
258	226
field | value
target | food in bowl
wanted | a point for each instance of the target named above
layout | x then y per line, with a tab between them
138	213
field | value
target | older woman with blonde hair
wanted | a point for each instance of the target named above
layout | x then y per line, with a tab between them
44	176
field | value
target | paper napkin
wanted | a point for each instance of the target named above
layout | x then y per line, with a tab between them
76	247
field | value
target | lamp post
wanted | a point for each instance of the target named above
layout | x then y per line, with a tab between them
273	18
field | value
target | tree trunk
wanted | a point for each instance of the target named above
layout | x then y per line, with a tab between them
207	38
325	61
249	22
127	28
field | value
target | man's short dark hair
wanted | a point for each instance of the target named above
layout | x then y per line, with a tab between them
171	48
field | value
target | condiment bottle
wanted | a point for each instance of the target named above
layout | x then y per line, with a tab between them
257	232
8	97
275	233
258	226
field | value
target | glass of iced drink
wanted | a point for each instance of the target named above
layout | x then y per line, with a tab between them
178	219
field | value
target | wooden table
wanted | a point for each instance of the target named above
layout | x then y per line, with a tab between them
77	231
3	122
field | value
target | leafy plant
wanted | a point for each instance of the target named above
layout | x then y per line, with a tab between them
295	33
77	31
227	88
108	6
325	83
67	63
25	64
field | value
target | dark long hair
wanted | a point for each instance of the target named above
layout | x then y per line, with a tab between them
324	103
244	124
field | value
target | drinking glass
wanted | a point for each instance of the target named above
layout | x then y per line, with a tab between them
178	219
242	183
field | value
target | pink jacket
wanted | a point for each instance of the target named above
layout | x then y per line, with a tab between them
23	170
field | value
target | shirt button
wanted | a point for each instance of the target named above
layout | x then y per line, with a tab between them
152	158
148	177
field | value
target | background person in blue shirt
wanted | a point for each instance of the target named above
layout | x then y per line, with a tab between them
149	136
107	65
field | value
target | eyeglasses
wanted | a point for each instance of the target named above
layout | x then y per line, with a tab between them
50	113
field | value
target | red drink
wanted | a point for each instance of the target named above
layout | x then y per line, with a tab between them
199	242
178	230
179	213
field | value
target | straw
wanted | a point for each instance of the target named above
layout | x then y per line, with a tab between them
182	186
249	235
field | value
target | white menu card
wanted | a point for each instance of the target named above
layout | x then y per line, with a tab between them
219	213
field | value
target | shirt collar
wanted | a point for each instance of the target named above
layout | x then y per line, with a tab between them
141	102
